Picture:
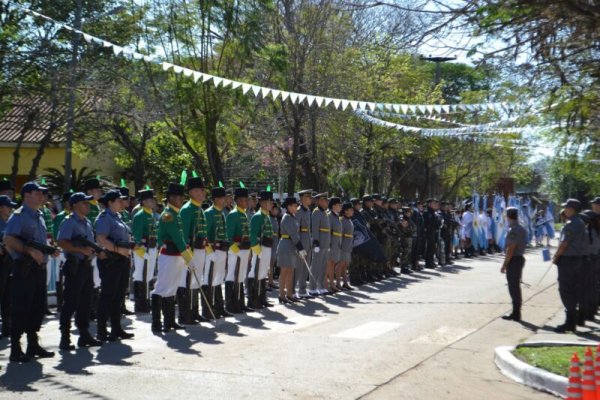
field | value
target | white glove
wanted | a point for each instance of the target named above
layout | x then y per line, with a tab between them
303	253
316	249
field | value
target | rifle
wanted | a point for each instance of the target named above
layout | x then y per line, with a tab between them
44	248
125	243
85	242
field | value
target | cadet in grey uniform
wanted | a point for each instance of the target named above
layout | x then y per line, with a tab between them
321	238
568	261
288	251
273	214
335	248
303	217
347	245
516	240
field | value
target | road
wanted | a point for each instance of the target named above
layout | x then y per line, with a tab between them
431	334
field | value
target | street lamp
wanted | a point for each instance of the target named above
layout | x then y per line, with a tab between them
79	21
438	61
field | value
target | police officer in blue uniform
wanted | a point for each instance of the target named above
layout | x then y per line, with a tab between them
6	208
112	234
24	230
78	272
514	261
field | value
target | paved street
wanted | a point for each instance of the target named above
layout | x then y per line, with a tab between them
428	335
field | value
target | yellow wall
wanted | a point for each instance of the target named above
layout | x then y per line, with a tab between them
54	157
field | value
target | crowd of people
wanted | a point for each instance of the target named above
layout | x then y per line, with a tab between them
187	260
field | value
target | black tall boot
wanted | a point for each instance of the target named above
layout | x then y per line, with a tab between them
34	349
16	353
156	310
168	308
65	338
140	297
241	299
102	333
516	313
262	295
196	306
124	310
570	323
253	294
184	304
219	303
207	304
231	304
86	340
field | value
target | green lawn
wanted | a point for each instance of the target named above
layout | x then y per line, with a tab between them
554	359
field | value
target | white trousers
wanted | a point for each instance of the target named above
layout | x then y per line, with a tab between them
170	270
261	271
138	265
219	260
197	265
232	260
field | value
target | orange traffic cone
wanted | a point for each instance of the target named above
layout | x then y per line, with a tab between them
588	381
597	372
574	388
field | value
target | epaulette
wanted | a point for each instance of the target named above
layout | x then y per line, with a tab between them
166	217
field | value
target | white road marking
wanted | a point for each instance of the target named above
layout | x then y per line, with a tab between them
369	330
443	336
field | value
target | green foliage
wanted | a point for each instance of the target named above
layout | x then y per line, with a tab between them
555	359
55	178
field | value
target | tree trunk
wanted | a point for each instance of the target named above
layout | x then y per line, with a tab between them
30	119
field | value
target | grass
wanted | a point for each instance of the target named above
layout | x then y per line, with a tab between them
555	359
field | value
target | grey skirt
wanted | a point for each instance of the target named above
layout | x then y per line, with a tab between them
346	256
287	256
334	254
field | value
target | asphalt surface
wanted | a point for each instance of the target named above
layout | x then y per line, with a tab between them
431	334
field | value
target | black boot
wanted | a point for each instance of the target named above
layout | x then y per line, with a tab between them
140	297
196	306
168	309
231	304
219	303
515	315
86	340
65	339
569	325
34	349
241	299
252	294
156	310
208	307
262	295
184	304
16	354
124	310
101	332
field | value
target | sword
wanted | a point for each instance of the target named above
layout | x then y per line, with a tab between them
307	267
236	278
545	273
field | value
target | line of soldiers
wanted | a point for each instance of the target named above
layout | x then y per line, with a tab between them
185	254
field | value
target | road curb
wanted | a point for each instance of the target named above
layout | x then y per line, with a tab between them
526	374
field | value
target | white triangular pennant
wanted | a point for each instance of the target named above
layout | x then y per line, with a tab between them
226	82
138	56
187	72
301	98
197	75
88	38
429	109
293	97
345	104
246	87
206	78
320	101
275	93
310	100
372	106
166	66
264	92
284	95
354	104
336	103
256	90
117	50
235	85
177	69
217	81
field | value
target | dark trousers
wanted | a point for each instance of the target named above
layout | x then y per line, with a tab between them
5	265
514	272
77	297
114	277
430	247
588	288
28	296
447	238
569	282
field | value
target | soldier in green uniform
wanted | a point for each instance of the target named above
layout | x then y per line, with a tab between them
144	230
50	266
216	262
194	230
261	241
238	235
174	255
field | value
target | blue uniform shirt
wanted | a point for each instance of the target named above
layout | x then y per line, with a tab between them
2	228
112	226
27	224
74	226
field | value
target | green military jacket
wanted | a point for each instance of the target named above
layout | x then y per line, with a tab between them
47	214
60	217
238	230
126	217
170	228
194	221
144	227
260	227
94	212
215	225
